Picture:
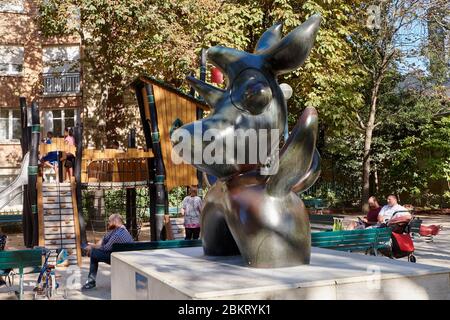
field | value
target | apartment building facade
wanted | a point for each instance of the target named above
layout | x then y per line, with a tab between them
38	68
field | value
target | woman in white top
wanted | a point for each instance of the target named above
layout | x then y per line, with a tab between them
191	209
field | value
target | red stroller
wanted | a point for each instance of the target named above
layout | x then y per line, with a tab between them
427	232
401	241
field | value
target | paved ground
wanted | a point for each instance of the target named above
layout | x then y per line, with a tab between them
436	252
71	279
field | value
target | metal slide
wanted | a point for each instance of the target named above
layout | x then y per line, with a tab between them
20	180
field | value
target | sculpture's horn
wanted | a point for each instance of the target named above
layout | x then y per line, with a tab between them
222	57
269	38
291	51
210	93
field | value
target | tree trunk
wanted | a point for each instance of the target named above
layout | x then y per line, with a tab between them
370	126
377	186
366	169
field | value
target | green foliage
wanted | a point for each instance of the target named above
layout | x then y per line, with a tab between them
176	196
410	145
115	202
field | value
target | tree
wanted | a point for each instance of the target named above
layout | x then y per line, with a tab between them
122	39
356	75
389	44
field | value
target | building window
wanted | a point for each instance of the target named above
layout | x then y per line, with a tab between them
61	72
11	60
58	120
10	129
11	6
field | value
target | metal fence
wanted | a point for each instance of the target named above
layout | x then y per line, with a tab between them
61	83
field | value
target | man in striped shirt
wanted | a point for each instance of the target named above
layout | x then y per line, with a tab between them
101	252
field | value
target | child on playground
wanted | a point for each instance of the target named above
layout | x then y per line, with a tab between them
50	160
68	157
68	136
48	139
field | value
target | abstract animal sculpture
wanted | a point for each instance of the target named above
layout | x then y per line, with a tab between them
246	211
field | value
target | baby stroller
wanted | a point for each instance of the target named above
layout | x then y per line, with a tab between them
427	232
402	244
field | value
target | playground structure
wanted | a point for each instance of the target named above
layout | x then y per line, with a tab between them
52	214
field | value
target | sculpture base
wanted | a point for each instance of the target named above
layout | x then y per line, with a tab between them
186	273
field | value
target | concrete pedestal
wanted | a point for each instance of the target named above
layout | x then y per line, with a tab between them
186	273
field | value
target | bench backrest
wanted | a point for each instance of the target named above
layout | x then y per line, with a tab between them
323	218
415	225
314	203
351	239
340	240
168	244
20	259
6	218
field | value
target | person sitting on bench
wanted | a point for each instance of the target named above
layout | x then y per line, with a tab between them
393	211
101	252
372	216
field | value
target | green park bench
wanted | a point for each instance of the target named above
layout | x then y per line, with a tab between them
415	225
173	211
315	204
168	244
10	218
415	230
26	261
322	221
365	240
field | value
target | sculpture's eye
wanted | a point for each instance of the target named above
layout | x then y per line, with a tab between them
251	92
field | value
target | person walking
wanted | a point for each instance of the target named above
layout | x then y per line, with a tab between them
190	209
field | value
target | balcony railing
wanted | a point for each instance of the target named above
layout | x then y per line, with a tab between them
61	83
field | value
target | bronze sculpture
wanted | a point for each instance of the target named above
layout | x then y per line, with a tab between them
247	211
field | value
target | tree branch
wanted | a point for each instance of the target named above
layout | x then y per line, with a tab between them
361	123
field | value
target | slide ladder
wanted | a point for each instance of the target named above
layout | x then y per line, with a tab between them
59	223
